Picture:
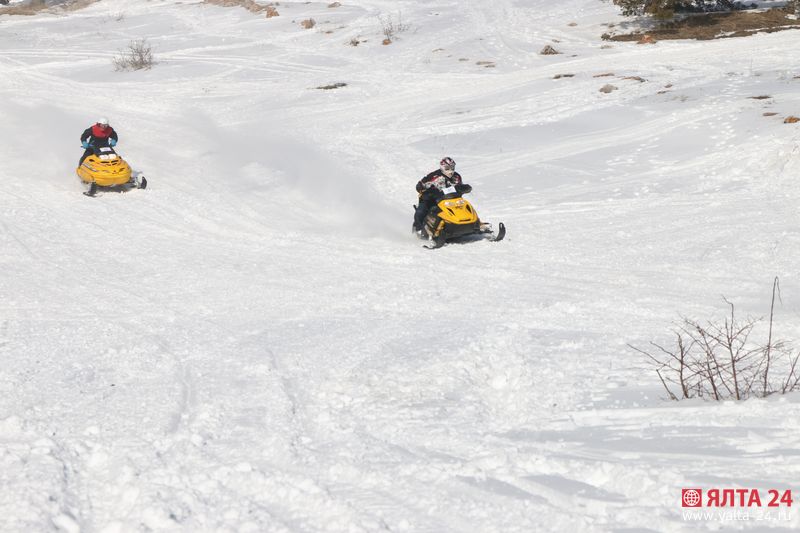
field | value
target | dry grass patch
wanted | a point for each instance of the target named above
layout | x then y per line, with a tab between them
308	23
37	6
708	26
249	5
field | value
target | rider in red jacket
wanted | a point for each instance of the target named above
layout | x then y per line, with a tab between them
101	134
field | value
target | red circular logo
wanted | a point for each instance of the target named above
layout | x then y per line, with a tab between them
691	498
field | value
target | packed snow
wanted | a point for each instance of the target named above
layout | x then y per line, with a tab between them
256	342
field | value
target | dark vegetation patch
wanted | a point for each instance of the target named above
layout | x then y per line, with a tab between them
337	85
706	26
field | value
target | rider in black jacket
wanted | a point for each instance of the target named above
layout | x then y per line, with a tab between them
430	189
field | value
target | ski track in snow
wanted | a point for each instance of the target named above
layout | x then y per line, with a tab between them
254	343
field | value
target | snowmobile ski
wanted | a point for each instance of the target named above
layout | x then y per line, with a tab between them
501	233
137	181
433	244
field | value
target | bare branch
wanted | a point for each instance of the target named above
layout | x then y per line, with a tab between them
723	359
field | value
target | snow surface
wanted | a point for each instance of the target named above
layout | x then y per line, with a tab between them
256	343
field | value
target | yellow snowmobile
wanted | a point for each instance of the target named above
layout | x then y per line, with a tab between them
454	219
105	168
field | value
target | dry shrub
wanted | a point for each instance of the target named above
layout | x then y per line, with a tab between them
390	28
138	56
721	360
308	23
272	12
549	51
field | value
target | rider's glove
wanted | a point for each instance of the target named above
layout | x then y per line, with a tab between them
85	144
112	142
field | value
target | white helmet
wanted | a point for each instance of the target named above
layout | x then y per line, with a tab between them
103	121
448	166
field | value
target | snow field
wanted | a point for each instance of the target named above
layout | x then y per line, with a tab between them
254	343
